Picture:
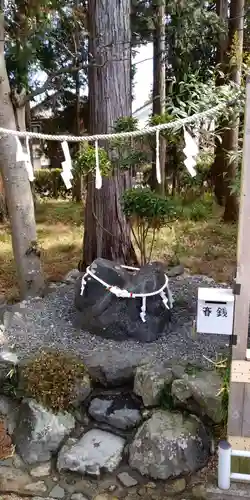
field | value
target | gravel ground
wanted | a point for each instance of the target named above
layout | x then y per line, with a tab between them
48	323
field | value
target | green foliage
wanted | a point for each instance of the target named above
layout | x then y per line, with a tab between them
140	203
172	138
223	367
146	210
85	162
128	152
51	379
166	400
199	211
192	370
48	182
126	124
10	384
196	208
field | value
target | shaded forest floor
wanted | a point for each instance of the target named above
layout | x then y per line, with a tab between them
199	240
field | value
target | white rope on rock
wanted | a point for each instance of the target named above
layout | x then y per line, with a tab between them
121	293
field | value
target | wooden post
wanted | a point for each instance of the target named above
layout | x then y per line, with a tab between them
239	399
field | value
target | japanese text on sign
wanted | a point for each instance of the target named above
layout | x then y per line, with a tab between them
221	312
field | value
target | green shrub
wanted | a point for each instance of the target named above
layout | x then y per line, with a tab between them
147	210
48	182
85	162
51	379
198	210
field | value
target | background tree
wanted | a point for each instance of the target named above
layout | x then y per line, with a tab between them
231	134
159	85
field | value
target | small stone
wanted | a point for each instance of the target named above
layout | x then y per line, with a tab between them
41	470
112	488
176	486
149	382
155	496
8	462
17	481
18	462
142	492
151	486
71	276
199	492
127	480
78	496
105	497
120	411
57	492
96	450
38	487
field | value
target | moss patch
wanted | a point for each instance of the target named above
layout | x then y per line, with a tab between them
51	378
166	400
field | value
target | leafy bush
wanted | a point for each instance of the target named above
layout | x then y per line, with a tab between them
48	182
51	378
85	162
146	210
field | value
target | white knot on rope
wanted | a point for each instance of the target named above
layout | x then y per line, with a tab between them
143	309
83	284
125	294
164	299
120	292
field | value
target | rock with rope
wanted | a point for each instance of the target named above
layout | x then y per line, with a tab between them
122	303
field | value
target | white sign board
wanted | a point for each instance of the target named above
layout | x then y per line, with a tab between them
215	311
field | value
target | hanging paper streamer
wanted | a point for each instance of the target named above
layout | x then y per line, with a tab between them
98	177
157	157
25	157
143	309
28	162
66	174
191	152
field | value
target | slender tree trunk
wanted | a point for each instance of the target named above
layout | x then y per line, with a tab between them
159	86
77	187
107	233
3	208
231	136
18	193
219	167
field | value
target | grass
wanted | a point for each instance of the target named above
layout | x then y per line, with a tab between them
199	240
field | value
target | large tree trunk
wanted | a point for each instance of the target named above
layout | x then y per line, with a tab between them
159	86
106	232
230	139
18	193
219	167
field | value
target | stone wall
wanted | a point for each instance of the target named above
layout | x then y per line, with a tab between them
142	434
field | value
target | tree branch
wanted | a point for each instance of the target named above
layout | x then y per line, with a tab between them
68	69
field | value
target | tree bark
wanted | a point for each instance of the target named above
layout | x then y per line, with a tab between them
18	193
107	234
231	136
3	208
219	167
77	186
159	86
